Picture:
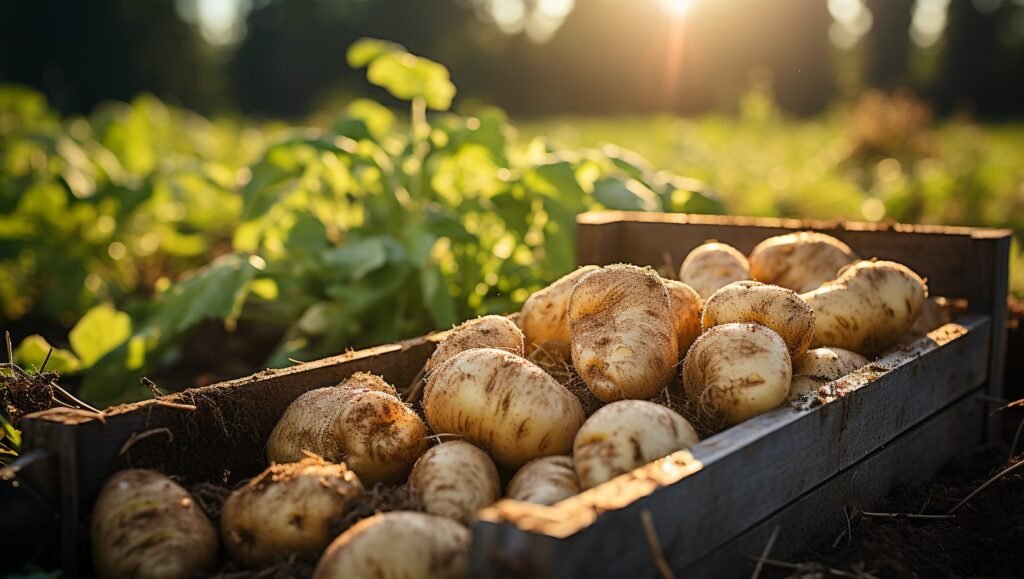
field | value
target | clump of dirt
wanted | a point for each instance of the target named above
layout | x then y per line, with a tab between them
294	568
23	393
983	539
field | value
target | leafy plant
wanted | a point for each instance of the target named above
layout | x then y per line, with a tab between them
361	231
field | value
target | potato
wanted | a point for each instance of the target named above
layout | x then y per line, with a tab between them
799	261
544	481
624	435
712	266
399	545
455	480
822	365
287	510
361	422
145	526
867	308
502	403
686	313
623	333
487	332
543	315
736	371
774	307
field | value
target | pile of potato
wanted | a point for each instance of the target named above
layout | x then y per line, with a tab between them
734	337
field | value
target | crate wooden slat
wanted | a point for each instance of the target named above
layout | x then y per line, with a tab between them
909	459
702	501
710	496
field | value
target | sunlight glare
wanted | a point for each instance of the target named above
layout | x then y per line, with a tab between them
676	8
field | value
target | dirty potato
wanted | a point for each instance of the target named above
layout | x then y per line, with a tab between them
287	510
544	481
398	544
799	261
686	313
361	422
145	526
455	479
623	334
496	332
771	306
624	435
543	316
867	308
821	366
711	266
736	371
504	404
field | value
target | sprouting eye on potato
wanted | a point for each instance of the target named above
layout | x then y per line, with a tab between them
360	422
286	510
712	266
622	332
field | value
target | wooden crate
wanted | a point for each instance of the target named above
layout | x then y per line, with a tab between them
898	419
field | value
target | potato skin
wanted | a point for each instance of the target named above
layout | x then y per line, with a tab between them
544	481
287	509
822	365
361	422
398	545
496	332
455	479
145	526
624	435
686	313
736	371
867	308
502	403
543	316
712	266
774	307
624	343
799	261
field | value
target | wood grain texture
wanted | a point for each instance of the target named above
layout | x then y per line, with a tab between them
789	451
911	458
936	252
221	440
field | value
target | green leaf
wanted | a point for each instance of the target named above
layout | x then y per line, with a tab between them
32	352
629	195
366	50
9	434
406	77
355	259
436	297
100	330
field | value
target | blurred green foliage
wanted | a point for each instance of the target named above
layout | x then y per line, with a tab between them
135	224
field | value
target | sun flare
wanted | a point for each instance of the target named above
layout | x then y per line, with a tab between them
676	8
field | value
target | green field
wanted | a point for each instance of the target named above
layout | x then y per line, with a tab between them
124	231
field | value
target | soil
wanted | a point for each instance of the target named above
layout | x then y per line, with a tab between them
984	539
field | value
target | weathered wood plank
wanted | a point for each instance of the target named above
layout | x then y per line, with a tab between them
222	440
709	498
913	457
644	239
989	275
